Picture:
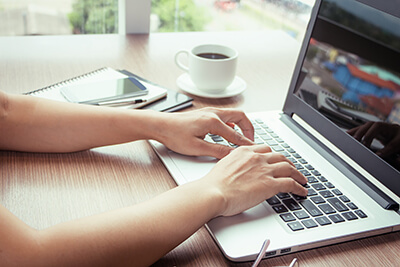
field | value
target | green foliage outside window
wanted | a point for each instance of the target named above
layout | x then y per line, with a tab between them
94	16
179	15
101	16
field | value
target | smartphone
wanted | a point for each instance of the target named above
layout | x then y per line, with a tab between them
104	91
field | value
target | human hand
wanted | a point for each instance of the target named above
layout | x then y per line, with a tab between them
185	132
252	174
388	134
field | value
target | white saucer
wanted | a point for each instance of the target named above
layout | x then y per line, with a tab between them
185	83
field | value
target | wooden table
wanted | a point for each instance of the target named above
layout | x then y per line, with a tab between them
46	189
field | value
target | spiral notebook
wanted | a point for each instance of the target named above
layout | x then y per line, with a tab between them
158	98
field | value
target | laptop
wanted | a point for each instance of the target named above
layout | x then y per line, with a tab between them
347	76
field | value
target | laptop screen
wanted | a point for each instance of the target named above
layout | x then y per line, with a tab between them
348	83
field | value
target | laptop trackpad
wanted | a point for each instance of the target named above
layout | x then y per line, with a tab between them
192	168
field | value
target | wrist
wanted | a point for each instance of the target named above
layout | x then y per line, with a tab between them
148	124
214	199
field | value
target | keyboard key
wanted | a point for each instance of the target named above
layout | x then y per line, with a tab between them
344	199
305	172
337	204
301	214
217	138
296	155
277	148
291	150
266	137
295	226
293	160
329	185
309	223
315	172
352	206
317	200
322	179
312	179
286	154
311	192
318	186
326	193
311	208
336	218
291	204
274	135
360	214
323	221
287	217
280	209
273	200
337	192
297	197
271	143
258	141
285	145
298	166
309	167
349	216
283	195
327	209
303	161
260	132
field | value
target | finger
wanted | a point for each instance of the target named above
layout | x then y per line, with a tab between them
370	135
218	151
275	157
230	134
361	131
289	185
390	149
352	131
284	169
247	128
231	124
240	119
260	148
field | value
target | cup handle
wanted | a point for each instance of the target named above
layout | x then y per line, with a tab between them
178	63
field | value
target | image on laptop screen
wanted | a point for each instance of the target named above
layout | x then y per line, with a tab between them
351	74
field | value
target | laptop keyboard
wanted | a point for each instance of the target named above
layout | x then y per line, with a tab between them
324	205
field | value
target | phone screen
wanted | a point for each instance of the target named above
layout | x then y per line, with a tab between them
109	90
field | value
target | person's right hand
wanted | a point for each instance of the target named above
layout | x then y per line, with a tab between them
252	174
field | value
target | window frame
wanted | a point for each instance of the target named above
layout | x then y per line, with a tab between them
134	16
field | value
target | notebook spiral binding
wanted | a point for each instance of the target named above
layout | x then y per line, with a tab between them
66	82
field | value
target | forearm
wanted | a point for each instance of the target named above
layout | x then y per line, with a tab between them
39	125
133	236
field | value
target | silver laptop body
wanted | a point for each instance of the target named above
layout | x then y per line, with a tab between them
320	107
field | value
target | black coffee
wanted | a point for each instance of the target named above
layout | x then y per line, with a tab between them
212	56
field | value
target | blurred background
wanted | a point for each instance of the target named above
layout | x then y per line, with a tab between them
48	17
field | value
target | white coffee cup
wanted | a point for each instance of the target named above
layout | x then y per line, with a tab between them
211	67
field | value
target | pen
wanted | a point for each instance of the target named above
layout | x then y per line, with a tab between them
121	102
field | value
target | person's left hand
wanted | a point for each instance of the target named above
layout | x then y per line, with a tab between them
185	132
387	133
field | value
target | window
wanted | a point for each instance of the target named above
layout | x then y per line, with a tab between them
45	17
231	15
33	17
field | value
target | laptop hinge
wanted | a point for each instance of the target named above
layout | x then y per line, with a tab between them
296	124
